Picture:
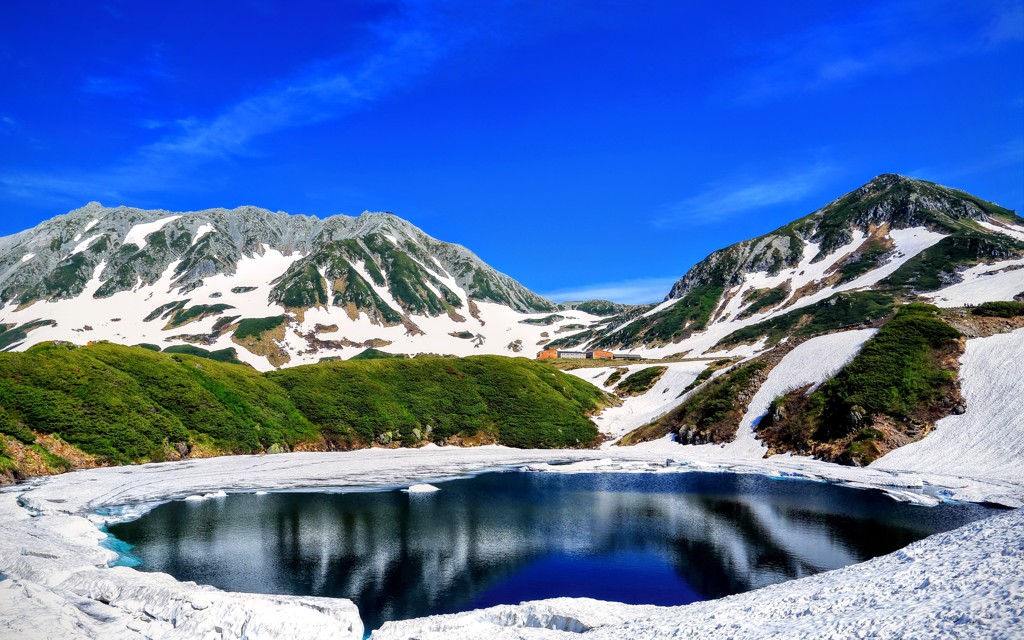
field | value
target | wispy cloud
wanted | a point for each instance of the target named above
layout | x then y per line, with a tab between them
637	291
7	124
133	80
726	199
110	86
409	44
887	39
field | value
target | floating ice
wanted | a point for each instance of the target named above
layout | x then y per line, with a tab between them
206	496
421	488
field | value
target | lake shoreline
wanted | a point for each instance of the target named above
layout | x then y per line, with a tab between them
52	549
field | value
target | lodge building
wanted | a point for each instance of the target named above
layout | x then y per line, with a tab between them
596	354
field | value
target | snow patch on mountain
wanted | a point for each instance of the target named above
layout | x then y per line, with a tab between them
983	283
84	244
907	244
812	362
1014	231
137	234
202	232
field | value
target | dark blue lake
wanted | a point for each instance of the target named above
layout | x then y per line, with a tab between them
508	537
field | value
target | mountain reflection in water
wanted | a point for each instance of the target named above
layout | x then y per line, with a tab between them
508	537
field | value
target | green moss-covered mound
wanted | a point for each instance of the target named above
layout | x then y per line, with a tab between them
131	404
511	401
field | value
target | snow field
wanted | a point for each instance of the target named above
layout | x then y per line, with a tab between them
983	283
637	411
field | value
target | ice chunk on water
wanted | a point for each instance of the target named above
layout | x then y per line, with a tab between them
206	496
421	488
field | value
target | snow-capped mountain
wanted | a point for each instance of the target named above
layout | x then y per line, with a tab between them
285	289
280	289
848	263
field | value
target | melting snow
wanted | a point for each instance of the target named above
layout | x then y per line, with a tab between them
637	411
84	244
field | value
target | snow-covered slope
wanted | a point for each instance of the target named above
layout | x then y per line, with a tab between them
810	363
635	411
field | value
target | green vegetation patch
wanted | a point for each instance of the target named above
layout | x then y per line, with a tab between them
601	307
127	404
865	260
640	382
896	372
904	376
762	299
615	376
256	327
678	322
543	322
511	401
195	313
926	270
301	287
836	312
999	309
220	355
376	354
164	311
711	415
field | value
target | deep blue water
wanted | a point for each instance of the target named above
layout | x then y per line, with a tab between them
509	537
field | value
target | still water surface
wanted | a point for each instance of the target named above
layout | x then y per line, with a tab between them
508	537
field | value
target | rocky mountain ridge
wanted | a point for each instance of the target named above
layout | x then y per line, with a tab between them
894	237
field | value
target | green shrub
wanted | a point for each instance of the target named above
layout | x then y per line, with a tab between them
640	382
835	312
999	309
896	372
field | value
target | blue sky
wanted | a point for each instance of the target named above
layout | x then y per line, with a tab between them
593	148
